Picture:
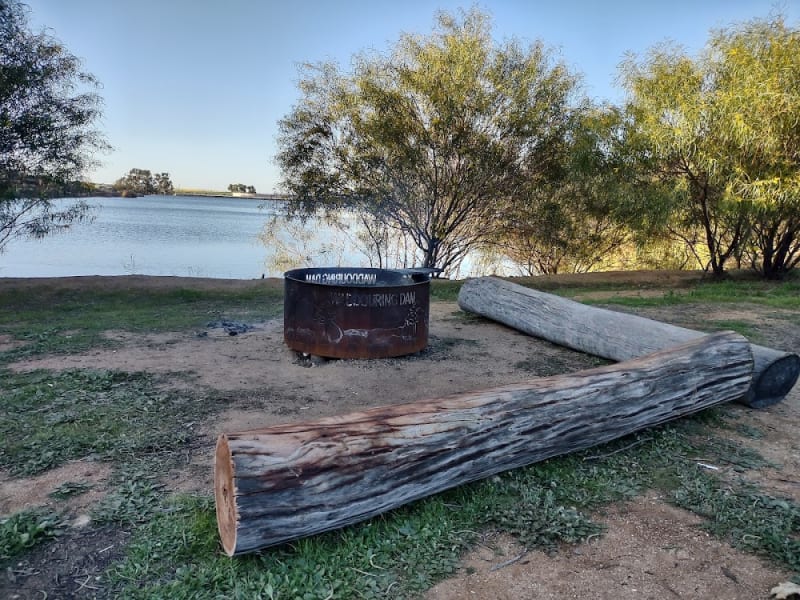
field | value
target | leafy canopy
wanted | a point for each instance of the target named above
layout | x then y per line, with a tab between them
720	132
48	110
141	182
433	139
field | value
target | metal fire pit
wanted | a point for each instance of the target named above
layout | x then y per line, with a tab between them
356	313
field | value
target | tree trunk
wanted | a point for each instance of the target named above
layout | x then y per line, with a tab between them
288	481
611	334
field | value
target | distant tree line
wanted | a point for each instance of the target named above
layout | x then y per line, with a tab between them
240	188
457	145
141	182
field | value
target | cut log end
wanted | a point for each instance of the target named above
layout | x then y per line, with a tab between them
774	382
224	495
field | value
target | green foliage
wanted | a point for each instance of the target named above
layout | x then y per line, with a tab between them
538	521
61	320
746	517
716	138
48	110
25	529
141	182
432	139
48	418
577	218
135	499
70	489
758	65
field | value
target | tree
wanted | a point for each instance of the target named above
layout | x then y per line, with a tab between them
141	182
163	184
433	139
719	133
240	188
759	99
672	110
578	218
48	111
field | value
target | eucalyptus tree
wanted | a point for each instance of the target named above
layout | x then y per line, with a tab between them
581	216
434	139
671	104
719	133
48	110
758	77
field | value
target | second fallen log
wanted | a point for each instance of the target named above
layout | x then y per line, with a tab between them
611	334
289	481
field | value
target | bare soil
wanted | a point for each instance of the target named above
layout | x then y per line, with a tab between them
650	549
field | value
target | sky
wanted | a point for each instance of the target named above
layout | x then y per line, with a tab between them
196	87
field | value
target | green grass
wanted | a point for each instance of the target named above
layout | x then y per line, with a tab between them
783	295
445	290
745	517
51	418
66	320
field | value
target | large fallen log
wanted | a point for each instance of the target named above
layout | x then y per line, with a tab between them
288	481
610	334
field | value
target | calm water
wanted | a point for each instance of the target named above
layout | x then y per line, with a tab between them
154	235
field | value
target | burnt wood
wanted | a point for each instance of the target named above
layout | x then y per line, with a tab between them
611	334
288	481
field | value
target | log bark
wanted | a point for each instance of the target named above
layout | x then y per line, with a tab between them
610	334
288	481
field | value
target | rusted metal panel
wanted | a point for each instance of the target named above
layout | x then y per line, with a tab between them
356	312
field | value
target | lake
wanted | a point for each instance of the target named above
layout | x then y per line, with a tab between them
186	236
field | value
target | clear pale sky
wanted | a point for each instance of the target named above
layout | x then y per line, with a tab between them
196	87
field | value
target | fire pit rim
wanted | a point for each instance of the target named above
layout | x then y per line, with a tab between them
337	276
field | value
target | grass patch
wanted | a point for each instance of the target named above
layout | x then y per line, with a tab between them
129	420
744	328
68	320
51	418
784	295
25	529
745	517
445	290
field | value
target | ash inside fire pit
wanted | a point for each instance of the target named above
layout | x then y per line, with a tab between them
356	313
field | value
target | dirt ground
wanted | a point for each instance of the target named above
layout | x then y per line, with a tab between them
650	549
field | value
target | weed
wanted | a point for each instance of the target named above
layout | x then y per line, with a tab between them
70	489
746	517
25	529
135	499
539	521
